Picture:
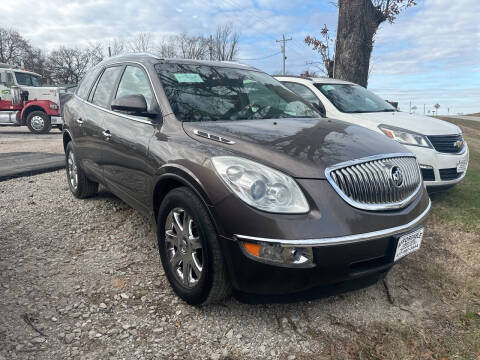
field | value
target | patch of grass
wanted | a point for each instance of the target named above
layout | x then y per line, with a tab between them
461	204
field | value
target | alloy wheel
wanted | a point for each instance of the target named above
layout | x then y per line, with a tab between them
72	170
183	247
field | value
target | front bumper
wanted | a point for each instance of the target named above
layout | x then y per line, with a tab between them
439	163
56	120
347	243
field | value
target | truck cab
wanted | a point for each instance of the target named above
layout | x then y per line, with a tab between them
25	101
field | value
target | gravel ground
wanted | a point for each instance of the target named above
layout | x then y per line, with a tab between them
82	279
20	139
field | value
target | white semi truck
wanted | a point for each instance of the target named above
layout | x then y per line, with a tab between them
24	101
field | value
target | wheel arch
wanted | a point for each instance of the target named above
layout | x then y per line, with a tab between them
174	176
66	139
27	110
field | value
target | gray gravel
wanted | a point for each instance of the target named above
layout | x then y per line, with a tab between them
82	279
20	139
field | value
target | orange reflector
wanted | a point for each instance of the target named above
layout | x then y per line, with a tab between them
389	133
253	249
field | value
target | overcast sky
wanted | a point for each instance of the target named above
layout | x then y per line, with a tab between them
431	54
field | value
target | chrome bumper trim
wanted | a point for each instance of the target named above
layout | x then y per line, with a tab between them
56	120
341	240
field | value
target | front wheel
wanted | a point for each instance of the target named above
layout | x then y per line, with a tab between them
189	249
38	122
80	186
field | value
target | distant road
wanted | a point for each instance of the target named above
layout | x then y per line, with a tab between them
462	117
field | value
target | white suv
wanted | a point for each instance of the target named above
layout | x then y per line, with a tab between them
438	145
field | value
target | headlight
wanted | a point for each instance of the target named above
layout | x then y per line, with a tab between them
260	186
405	136
53	106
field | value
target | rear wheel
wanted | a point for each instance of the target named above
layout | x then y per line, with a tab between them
38	122
80	186
189	249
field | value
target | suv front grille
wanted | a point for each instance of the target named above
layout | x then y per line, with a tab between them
449	174
428	174
452	144
380	182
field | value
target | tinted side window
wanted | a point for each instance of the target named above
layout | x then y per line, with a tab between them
9	79
86	83
105	85
135	82
303	91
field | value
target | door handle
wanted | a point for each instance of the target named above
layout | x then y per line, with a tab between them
107	134
80	121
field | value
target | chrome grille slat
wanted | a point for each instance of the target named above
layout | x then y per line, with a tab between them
369	183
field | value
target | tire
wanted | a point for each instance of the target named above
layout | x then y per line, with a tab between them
80	186
38	122
211	283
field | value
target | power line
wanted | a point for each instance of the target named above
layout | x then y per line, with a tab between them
260	58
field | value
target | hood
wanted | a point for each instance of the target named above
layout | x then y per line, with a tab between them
302	148
418	123
42	93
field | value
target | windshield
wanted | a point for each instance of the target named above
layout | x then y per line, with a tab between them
28	79
351	98
214	93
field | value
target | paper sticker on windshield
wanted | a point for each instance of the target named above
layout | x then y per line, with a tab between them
248	81
188	78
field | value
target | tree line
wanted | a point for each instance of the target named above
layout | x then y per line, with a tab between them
67	65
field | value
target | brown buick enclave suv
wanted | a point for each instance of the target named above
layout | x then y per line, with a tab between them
249	187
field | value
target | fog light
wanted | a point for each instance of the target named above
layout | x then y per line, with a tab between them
280	255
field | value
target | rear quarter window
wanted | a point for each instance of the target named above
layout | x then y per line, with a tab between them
83	89
105	86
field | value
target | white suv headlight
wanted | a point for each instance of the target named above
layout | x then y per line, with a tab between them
404	136
260	186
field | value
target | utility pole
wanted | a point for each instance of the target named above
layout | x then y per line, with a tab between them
109	51
283	41
423	109
210	47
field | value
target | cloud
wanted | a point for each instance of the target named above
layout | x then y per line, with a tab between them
441	34
432	49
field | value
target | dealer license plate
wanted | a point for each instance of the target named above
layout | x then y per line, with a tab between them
409	243
462	166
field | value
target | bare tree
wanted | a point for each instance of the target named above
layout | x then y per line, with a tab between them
358	22
168	47
142	42
118	46
192	47
37	61
307	73
224	43
95	53
325	47
13	47
68	65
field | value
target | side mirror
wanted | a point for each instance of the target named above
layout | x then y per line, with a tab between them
131	104
320	108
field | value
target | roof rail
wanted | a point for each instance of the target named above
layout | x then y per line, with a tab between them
294	76
136	54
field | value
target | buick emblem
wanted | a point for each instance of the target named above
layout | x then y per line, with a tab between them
396	176
458	144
